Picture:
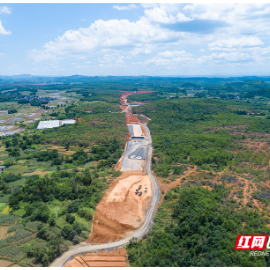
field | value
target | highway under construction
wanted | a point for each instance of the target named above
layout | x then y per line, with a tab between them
127	209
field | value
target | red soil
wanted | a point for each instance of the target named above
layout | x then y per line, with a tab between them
132	119
115	258
125	94
120	210
80	119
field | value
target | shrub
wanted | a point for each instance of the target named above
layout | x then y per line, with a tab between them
3	243
85	213
8	219
66	231
74	206
15	227
25	240
12	251
77	227
77	239
70	219
32	226
19	234
5	199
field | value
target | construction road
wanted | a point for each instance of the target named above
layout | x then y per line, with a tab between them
139	233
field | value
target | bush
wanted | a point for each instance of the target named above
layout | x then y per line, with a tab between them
15	227
178	170
19	234
77	227
74	206
66	231
25	240
70	219
7	219
5	199
3	243
12	252
32	226
10	177
86	213
77	239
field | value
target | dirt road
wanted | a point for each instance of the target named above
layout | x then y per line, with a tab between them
139	233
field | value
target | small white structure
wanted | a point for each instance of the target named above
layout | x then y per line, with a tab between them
68	121
54	123
48	124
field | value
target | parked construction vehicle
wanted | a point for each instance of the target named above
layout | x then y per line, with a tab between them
140	193
140	186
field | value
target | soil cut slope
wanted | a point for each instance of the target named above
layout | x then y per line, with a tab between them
115	258
121	210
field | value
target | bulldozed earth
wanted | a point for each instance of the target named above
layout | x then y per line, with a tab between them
121	210
114	258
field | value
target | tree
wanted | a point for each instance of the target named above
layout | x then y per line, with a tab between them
70	218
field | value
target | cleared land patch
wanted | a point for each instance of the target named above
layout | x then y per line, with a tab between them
114	258
121	210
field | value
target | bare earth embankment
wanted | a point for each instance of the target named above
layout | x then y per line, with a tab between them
121	210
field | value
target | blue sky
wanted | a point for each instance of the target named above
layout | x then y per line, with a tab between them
135	39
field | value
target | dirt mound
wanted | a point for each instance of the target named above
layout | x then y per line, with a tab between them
132	119
115	258
80	119
121	210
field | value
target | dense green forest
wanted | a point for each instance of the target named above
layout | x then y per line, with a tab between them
205	207
196	227
183	131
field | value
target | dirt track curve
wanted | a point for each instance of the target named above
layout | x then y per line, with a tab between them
139	233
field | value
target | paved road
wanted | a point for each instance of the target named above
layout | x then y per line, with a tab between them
132	145
139	233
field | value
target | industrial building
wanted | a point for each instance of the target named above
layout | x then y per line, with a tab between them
54	123
67	121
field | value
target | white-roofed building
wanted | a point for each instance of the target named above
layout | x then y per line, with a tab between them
48	124
68	121
54	123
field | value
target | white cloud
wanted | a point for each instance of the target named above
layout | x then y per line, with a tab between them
173	53
241	18
102	36
5	10
3	31
249	41
159	15
128	7
114	43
